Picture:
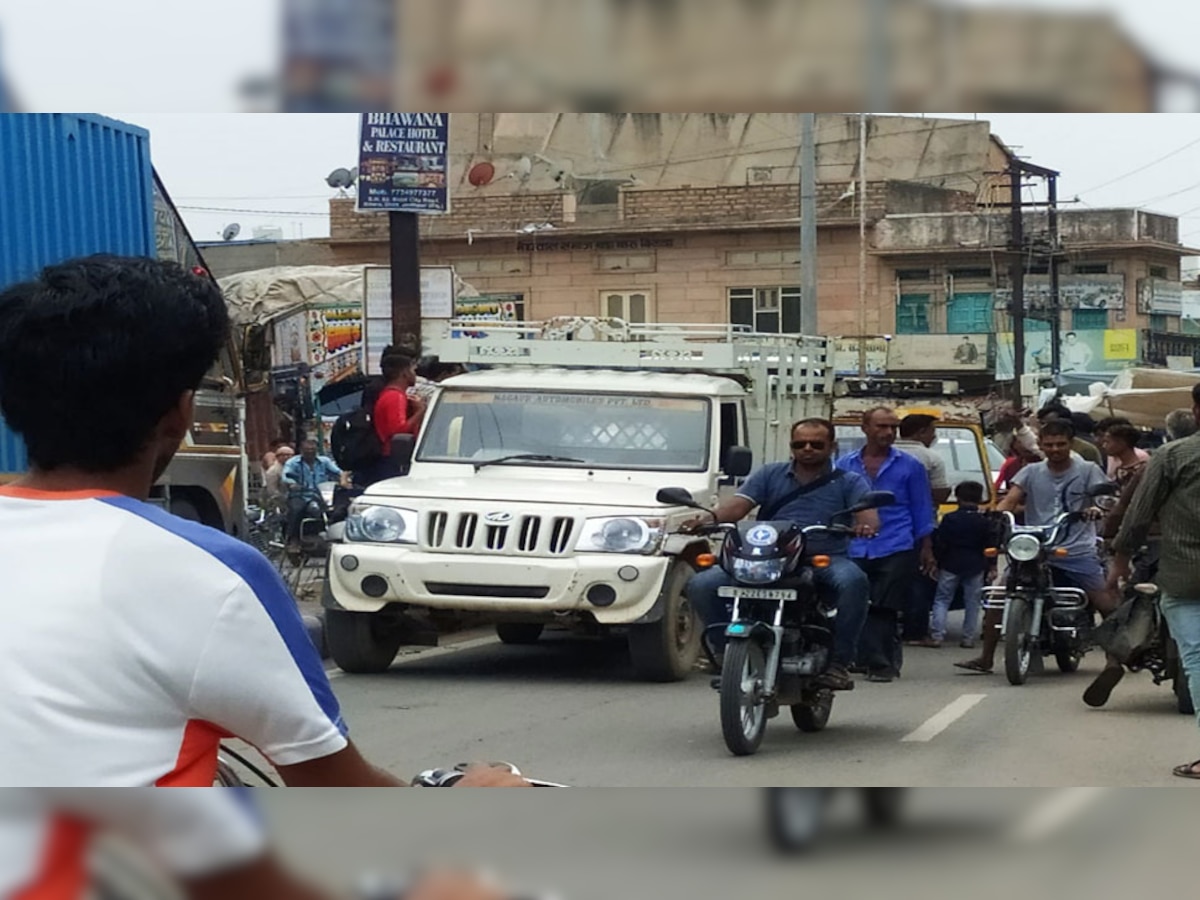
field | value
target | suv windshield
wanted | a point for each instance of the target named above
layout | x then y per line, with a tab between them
604	431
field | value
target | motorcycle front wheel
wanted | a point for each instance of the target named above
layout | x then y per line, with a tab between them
1017	650
743	705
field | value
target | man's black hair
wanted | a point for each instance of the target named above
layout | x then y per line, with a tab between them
394	364
1105	424
96	351
1084	424
1127	433
912	425
1060	427
969	492
817	423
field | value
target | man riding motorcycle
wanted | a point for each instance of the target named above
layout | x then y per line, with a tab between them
808	491
1058	484
134	641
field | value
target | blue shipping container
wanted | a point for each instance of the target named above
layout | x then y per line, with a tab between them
73	185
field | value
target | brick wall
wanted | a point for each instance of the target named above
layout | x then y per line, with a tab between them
647	208
496	213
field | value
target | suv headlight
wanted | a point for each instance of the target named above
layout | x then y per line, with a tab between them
1024	547
382	525
622	534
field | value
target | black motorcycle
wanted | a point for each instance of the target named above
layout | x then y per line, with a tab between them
1137	634
1040	618
780	638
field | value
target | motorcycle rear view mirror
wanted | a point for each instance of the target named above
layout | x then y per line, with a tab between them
677	496
875	500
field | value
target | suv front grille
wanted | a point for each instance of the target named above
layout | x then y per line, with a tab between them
468	531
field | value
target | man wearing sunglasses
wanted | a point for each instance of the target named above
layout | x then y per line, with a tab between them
807	490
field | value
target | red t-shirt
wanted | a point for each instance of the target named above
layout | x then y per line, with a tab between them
391	417
1008	471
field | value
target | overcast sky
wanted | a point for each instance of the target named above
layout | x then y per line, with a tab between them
174	67
265	169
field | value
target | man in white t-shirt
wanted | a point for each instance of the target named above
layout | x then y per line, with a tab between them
212	844
135	641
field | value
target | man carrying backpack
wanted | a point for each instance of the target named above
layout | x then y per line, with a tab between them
362	439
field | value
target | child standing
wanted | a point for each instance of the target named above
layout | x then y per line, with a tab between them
959	545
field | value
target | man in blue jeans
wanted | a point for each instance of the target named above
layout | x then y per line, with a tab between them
904	546
1169	492
808	491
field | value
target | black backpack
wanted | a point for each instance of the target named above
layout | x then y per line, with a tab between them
353	440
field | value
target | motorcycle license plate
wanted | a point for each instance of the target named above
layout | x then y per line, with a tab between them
745	593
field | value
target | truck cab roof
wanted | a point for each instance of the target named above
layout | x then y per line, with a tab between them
540	378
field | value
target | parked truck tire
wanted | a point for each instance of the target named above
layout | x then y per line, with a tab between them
667	650
361	643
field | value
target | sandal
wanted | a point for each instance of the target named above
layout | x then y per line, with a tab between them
974	665
1187	771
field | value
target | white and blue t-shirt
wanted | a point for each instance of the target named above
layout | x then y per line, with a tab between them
132	642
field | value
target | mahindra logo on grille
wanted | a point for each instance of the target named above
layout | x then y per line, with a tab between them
498	518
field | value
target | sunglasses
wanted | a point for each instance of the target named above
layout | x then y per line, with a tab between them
804	445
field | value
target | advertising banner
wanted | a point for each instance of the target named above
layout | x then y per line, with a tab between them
403	163
845	355
1074	292
938	352
1080	351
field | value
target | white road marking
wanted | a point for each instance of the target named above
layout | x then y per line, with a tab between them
1056	812
939	722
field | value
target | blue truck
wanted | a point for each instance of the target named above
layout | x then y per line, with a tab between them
82	184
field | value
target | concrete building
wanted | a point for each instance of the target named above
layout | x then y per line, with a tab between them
695	218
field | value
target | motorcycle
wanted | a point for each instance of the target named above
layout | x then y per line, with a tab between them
1041	619
1141	639
780	637
795	816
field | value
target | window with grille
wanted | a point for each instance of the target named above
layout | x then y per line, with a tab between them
771	310
1090	268
912	314
1159	272
1085	319
969	313
631	306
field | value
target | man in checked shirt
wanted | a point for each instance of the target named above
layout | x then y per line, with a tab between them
1169	493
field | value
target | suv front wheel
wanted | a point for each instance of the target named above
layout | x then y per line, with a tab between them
667	650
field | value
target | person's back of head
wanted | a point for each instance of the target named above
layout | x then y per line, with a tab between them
1084	424
95	352
1181	423
969	493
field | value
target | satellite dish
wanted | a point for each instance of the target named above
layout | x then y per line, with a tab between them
341	178
481	174
231	231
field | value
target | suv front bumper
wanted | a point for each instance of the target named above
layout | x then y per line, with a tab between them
616	589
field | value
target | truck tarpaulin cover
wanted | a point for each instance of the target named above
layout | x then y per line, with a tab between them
1144	396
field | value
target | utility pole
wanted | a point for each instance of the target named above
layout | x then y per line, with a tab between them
862	245
1055	305
1016	274
808	224
404	247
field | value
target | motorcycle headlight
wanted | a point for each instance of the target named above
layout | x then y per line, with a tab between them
1024	547
382	525
758	571
620	535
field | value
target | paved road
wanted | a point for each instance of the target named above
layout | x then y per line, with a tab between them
597	845
571	710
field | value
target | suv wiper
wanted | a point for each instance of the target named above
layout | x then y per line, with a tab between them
532	457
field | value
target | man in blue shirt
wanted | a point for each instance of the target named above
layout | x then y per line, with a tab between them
303	475
808	490
904	545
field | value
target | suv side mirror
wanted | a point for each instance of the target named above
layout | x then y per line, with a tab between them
677	496
403	446
738	462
